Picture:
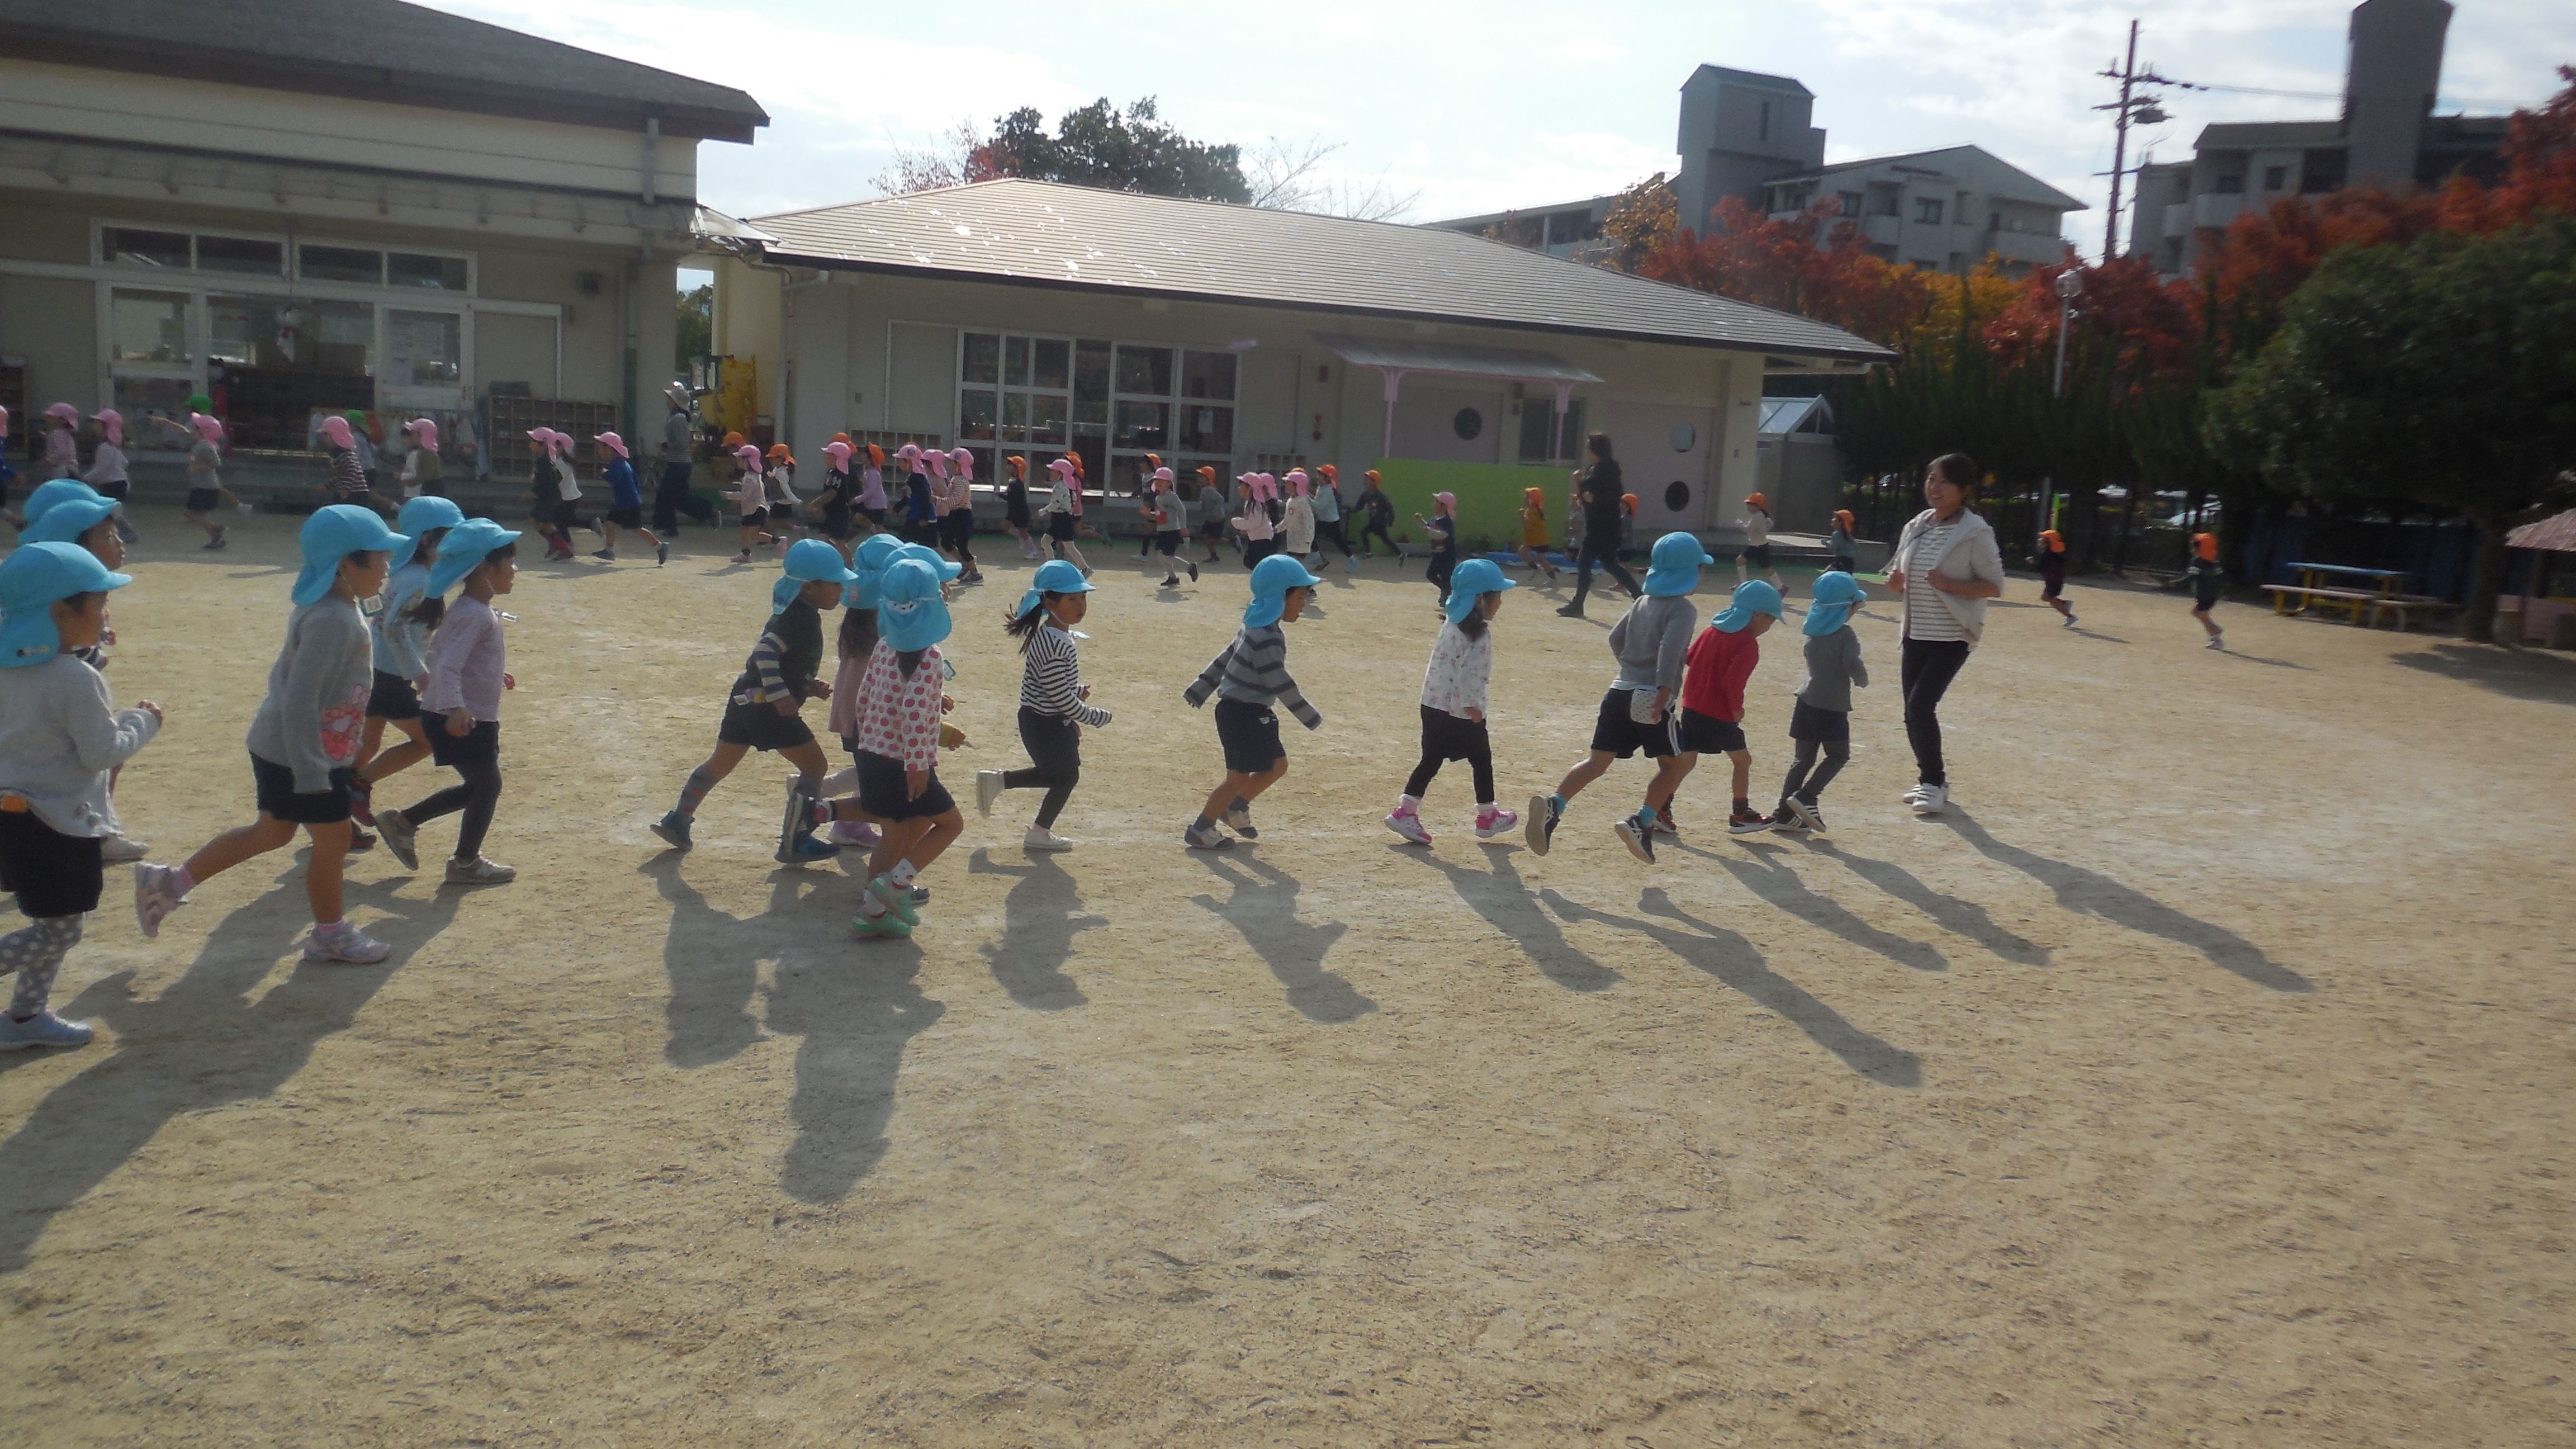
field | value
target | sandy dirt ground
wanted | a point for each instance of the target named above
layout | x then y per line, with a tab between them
2204	1078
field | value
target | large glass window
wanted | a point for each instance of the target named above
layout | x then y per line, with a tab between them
1540	431
134	247
1142	426
1144	370
149	328
420	269
242	256
316	263
1208	375
1111	402
424	349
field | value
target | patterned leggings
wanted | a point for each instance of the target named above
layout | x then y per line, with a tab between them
36	953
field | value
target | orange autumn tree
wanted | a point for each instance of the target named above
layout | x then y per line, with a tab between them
1812	263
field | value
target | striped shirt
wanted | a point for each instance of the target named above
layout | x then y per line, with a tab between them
347	478
1927	617
1254	670
1051	683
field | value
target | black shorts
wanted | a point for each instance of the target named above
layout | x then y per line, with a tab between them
122	486
2205	596
754	519
957	529
761	727
1706	734
1613	733
567	513
883	785
1016	510
202	500
836	523
876	516
1758	555
2051	585
1250	735
1167	541
53	874
628	515
274	786
1060	527
1822	726
480	745
1447	737
1054	742
392	697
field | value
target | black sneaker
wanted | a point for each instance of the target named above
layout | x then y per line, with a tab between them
1747	821
1570	611
1786	821
1194	571
1538	827
1638	834
1809	816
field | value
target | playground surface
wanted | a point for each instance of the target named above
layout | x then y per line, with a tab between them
2203	1078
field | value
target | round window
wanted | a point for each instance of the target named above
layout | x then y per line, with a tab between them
1685	438
1677	494
1469	423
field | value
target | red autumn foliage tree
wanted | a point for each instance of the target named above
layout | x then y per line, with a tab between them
2147	328
1813	264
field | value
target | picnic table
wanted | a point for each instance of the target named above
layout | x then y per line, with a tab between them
2354	590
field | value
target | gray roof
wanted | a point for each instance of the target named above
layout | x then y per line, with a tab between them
2026	186
2247	135
1751	78
381	50
1032	233
1788	414
1522	364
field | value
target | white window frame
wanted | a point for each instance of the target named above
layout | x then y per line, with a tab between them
100	226
1113	456
295	264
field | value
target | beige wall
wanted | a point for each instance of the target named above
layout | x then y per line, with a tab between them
210	116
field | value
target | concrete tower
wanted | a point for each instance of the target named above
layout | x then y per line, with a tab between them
2391	74
1738	130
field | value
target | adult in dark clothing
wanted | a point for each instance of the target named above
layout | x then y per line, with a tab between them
671	492
1598	487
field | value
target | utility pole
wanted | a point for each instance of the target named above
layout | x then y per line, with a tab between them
2130	109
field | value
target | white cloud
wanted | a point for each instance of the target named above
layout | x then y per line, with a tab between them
1346	24
1589	48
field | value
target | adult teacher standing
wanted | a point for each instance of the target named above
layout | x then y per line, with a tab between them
1598	489
1945	567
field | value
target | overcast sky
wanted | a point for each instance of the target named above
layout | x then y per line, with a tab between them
1483	106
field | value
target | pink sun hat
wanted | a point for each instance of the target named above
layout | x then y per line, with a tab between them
612	442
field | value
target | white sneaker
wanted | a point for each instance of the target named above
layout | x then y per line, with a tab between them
118	850
988	788
348	945
1914	792
1933	800
480	872
1408	824
156	895
1041	838
2217	642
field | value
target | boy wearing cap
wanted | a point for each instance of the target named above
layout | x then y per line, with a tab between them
762	712
304	740
1248	678
1756	524
1650	642
60	735
1721	659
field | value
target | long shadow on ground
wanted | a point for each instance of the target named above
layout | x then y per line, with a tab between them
1264	908
1950	913
1040	917
1509	907
2513	673
1768	876
2093	894
1733	960
198	1045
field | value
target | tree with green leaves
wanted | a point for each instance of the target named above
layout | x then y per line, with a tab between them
695	337
1098	145
2440	373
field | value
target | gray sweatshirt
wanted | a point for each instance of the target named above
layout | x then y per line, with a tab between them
1833	667
1651	640
60	734
317	694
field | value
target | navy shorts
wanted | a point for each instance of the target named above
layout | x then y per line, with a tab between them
1706	734
1614	733
884	784
480	745
761	727
202	500
392	697
51	873
274	786
1250	735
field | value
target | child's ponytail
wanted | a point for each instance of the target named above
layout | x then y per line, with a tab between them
1475	624
1024	625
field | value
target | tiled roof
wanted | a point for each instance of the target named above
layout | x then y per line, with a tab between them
2555	535
1034	233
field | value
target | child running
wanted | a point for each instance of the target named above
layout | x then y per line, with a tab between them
750	497
304	740
625	503
206	491
1377	515
2052	576
1171	528
1211	501
957	515
60	736
1821	719
1650	642
1453	703
70	511
1248	677
1756	524
1297	526
839	488
1054	702
2208	584
1015	507
856	642
762	711
1534	539
1327	503
1441	529
107	467
545	493
1838	542
901	698
1064	512
920	508
423	475
407	613
1259	529
1721	659
62	442
872	494
467	672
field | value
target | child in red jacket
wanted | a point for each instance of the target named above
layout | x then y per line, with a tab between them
1721	659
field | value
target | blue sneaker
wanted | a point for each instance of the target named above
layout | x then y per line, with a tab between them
673	830
896	900
805	850
44	1029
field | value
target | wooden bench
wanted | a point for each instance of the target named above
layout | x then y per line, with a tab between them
2406	606
2351	601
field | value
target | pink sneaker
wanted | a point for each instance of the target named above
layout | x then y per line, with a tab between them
1491	822
853	832
1405	822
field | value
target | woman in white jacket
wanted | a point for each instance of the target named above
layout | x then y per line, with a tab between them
1945	567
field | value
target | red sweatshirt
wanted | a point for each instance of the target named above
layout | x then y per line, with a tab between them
1718	665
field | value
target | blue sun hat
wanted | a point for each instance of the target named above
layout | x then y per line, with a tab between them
419	516
925	553
1272	578
331	535
811	561
1673	568
33	578
1475	576
867	565
63	510
1055	576
463	551
1835	593
910	613
1751	597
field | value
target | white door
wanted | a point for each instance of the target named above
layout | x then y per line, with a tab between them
1663	455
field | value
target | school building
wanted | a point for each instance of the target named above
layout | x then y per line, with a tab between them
297	205
1019	317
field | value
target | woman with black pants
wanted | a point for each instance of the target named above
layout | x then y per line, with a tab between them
1598	487
1945	567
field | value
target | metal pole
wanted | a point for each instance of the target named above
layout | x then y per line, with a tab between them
2065	315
